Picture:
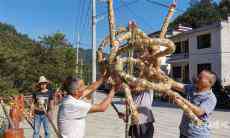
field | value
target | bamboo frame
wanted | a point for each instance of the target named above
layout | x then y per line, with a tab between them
158	87
148	61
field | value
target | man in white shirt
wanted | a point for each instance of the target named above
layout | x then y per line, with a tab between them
73	109
144	128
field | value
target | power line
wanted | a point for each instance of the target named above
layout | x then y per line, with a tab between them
163	5
136	16
74	29
84	14
81	20
87	15
116	8
79	15
76	22
81	10
86	23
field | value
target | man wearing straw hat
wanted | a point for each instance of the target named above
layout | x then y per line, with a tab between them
42	103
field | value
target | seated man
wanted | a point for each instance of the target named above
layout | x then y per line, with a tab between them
203	102
73	109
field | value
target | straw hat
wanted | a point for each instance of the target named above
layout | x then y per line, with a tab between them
43	79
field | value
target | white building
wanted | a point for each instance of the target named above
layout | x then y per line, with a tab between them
203	48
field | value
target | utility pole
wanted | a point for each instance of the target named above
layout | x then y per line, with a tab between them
81	68
93	45
77	51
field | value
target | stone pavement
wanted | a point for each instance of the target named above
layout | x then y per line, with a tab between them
108	125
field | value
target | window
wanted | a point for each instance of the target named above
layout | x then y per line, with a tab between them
176	72
185	45
186	74
182	47
178	48
206	66
204	41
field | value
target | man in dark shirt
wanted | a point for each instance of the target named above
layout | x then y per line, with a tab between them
42	103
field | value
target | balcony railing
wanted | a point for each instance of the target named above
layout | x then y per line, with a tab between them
179	56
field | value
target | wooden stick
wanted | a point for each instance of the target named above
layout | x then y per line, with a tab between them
52	124
127	121
30	123
115	108
27	119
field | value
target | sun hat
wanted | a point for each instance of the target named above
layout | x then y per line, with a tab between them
43	79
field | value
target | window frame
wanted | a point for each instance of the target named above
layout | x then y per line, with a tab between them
177	73
201	41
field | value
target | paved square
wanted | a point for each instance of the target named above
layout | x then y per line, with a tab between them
108	125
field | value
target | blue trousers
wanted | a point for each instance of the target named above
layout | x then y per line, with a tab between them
38	120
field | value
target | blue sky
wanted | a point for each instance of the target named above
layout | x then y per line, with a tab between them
44	17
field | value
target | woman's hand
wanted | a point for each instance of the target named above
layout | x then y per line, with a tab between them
30	115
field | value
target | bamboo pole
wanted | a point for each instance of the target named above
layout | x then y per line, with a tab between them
133	110
127	120
58	134
166	22
29	122
112	30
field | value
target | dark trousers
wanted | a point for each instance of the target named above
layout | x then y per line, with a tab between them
142	131
182	136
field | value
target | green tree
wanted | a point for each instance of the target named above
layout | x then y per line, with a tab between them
13	55
23	60
224	8
200	13
57	57
56	40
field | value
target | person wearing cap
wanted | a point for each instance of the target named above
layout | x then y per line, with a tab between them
74	109
42	103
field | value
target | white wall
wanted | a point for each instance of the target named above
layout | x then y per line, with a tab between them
207	55
225	42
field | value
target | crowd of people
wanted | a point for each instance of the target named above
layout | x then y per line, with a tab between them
74	107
